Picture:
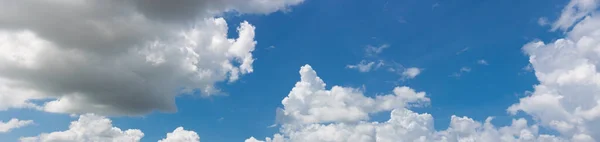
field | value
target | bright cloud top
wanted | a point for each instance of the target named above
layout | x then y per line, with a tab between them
181	135
89	128
566	99
312	113
129	57
310	102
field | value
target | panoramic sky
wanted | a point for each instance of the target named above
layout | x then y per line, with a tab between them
299	70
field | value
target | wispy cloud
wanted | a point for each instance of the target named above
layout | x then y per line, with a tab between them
375	50
365	66
462	71
462	51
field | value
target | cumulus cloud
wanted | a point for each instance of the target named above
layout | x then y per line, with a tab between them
342	114
411	73
121	57
310	102
365	66
13	124
181	135
89	128
566	99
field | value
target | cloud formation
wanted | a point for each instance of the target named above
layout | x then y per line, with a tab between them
89	128
411	73
13	124
312	113
120	57
566	99
181	135
310	102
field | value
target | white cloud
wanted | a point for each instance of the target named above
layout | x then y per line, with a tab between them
13	124
89	128
120	57
181	135
411	73
566	99
310	102
482	62
573	12
365	66
341	114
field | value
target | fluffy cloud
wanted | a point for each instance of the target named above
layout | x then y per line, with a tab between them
411	73
341	114
181	135
310	102
120	57
566	99
89	128
13	124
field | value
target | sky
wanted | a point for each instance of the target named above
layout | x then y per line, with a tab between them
299	70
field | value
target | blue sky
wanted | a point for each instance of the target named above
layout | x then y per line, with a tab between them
438	37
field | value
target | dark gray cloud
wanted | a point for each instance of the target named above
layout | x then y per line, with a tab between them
117	57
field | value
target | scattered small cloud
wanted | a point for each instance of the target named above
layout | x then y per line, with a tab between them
366	66
482	62
462	71
375	50
465	69
411	73
462	51
543	21
271	47
221	119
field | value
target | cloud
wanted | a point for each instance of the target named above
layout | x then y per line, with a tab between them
365	66
13	124
92	128
573	12
181	135
566	98
375	50
411	73
121	57
543	21
482	62
310	102
341	114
